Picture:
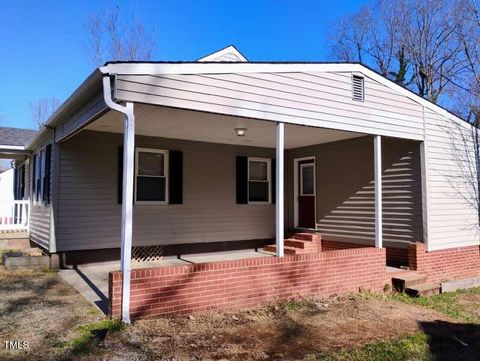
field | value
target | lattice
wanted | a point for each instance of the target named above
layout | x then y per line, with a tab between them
147	253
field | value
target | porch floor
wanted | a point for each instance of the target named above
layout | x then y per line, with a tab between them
91	280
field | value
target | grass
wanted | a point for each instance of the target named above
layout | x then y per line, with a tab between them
91	334
448	303
410	347
9	252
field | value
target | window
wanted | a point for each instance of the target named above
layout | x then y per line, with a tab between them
38	176
307	186
358	88
259	180
151	176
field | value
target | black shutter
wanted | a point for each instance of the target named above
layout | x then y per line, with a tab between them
34	180
242	179
15	184
274	180
120	175
22	182
175	174
46	178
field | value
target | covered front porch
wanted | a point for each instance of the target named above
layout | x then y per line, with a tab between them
241	180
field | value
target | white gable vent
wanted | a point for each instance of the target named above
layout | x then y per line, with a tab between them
358	88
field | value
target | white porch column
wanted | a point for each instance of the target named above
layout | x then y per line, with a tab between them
127	207
279	196
378	191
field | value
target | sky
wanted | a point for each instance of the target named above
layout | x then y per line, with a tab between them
42	43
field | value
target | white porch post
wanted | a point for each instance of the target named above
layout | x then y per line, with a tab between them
378	191
279	196
127	207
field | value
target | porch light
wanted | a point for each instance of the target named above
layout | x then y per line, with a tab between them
240	132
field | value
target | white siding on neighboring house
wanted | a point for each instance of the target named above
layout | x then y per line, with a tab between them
6	186
321	99
452	182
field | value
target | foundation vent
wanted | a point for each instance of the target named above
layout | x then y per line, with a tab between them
147	253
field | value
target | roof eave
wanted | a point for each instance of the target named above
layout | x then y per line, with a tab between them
80	93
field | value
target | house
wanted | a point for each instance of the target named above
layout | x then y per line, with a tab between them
224	153
12	148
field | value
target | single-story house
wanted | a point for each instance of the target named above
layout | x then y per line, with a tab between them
224	153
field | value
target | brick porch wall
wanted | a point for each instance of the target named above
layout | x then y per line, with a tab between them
445	264
249	282
395	256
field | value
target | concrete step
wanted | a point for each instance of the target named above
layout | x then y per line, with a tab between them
408	280
423	290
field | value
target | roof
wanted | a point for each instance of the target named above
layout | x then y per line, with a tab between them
216	63
16	137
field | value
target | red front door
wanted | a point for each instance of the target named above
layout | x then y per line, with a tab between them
306	194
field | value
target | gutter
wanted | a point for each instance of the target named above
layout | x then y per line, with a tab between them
56	118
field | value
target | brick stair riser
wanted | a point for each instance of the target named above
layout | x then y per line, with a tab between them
301	244
306	237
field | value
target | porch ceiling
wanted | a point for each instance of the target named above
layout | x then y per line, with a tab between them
191	125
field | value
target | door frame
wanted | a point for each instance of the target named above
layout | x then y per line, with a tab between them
296	193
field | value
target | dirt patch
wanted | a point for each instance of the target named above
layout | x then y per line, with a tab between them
39	308
294	330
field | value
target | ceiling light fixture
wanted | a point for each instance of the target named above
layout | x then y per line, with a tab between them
240	132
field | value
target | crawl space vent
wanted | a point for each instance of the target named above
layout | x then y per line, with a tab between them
358	88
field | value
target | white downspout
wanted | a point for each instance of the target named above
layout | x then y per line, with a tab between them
127	192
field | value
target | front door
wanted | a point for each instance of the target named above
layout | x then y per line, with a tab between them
306	193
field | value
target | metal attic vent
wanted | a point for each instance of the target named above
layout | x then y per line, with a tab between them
358	88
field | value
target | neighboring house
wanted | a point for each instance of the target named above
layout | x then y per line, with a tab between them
223	153
6	185
12	148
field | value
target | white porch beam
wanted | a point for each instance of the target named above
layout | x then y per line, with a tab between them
127	208
378	191
279	195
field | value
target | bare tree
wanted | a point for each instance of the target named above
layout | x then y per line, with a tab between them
43	109
375	35
412	42
110	38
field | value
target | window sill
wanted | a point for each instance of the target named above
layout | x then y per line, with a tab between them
150	203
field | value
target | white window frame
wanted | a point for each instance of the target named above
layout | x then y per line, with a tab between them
269	180
165	172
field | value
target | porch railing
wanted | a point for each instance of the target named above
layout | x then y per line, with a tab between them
14	215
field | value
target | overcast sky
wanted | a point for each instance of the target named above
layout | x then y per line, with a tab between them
42	42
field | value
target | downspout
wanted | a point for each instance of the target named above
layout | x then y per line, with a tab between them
127	191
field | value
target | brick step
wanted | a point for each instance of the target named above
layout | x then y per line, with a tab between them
423	290
401	282
303	236
287	250
296	243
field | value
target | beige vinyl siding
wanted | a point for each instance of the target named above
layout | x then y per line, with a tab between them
452	182
89	216
317	99
345	208
41	215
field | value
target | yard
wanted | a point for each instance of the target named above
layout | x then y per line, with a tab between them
60	325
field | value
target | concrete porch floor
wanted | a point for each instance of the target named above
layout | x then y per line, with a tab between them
91	280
